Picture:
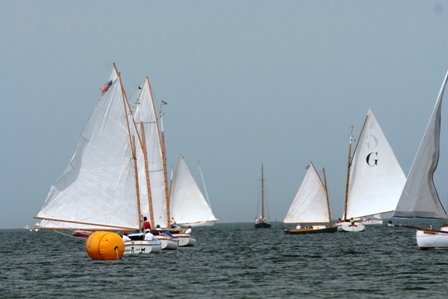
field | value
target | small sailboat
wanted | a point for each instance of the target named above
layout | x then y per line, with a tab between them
310	208
374	178
189	207
420	198
99	189
153	181
262	221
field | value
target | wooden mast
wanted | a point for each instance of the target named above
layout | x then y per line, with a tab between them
165	175
349	163
148	182
132	142
165	171
262	194
348	175
326	195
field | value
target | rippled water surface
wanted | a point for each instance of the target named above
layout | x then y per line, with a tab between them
229	261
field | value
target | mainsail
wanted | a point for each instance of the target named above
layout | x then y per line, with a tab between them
156	191
419	197
98	188
310	204
188	204
376	178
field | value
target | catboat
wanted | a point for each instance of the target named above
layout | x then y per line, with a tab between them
137	244
420	198
189	206
157	199
262	221
311	205
99	190
374	178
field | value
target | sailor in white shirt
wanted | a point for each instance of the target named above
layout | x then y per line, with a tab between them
148	235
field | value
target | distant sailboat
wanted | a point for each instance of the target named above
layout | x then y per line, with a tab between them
262	221
419	198
189	207
374	177
99	189
311	206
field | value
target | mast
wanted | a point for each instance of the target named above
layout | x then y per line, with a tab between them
148	183
326	195
262	193
165	172
348	173
349	163
132	142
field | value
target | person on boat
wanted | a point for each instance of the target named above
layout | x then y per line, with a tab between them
148	235
164	231
174	224
146	224
352	222
188	230
125	237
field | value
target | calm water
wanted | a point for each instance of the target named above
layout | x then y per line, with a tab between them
229	261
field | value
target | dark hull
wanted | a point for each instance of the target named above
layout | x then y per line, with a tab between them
295	231
262	225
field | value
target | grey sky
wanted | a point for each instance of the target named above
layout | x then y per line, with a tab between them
278	82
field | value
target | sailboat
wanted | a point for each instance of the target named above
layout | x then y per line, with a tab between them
374	178
189	207
311	206
419	198
99	188
153	180
262	221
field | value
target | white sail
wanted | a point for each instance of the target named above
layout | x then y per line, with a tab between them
419	197
376	178
188	205
145	112
310	205
98	189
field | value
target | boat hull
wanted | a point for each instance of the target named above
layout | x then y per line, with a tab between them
262	225
198	224
142	246
351	227
184	240
167	243
427	239
299	231
372	222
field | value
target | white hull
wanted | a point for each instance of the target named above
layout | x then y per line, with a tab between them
431	239
185	240
372	222
349	227
144	246
167	243
201	223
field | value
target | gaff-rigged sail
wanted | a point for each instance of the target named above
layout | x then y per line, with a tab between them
98	188
145	113
419	197
310	204
188	204
376	178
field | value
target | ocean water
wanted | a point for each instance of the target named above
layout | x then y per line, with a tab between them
229	261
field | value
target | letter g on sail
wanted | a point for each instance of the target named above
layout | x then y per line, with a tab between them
372	159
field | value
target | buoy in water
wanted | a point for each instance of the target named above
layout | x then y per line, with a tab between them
104	245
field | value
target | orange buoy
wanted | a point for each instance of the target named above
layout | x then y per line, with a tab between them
104	245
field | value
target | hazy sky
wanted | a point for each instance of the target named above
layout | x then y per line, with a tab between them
247	82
